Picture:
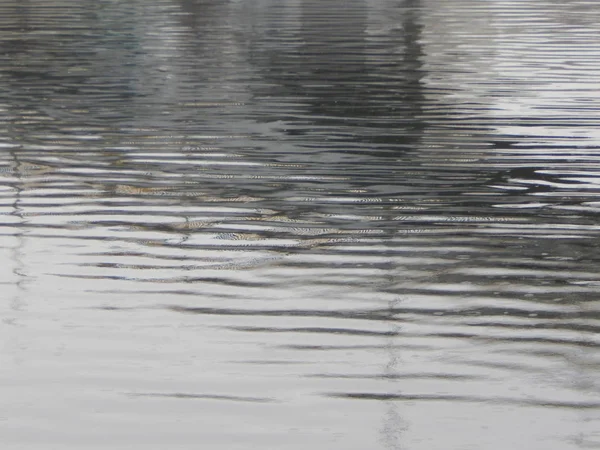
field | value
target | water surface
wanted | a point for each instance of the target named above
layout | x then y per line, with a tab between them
299	224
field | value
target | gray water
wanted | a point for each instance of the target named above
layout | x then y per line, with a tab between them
292	224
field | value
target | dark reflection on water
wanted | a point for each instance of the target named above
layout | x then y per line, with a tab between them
342	224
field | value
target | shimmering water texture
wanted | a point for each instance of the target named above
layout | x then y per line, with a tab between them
293	224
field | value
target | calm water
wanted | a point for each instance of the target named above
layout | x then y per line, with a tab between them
292	224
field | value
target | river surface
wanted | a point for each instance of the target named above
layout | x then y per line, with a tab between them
299	224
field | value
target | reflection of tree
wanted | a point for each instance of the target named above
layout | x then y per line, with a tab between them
363	93
366	87
17	252
331	68
584	367
393	423
78	71
371	87
201	15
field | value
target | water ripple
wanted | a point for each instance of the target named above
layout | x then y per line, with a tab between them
280	209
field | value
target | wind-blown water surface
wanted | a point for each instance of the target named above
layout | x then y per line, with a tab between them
299	224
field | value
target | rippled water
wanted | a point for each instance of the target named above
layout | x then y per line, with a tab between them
299	224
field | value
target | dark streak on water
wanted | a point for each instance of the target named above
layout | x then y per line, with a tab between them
205	397
336	224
